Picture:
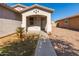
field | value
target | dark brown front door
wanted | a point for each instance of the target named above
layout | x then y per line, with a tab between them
42	24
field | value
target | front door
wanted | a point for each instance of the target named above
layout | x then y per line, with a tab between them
42	24
33	24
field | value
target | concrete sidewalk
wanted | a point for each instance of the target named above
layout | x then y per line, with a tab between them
44	48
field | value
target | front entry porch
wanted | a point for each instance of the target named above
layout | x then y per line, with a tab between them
36	20
36	23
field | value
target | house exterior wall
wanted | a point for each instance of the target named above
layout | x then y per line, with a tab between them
41	12
9	21
61	23
73	23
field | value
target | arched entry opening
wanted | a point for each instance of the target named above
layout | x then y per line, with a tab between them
57	25
36	23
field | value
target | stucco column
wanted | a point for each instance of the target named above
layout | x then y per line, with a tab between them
49	25
24	22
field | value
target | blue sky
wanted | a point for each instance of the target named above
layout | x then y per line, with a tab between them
62	10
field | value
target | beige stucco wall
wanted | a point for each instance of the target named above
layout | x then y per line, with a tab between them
48	27
9	21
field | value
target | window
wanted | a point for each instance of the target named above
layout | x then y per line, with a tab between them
31	20
66	21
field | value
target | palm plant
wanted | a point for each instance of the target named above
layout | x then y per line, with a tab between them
19	32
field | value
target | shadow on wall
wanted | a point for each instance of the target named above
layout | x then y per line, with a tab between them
69	28
64	48
66	27
11	16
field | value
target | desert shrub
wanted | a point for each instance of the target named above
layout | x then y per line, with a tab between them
33	35
19	32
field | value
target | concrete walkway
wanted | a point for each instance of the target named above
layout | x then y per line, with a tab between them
44	48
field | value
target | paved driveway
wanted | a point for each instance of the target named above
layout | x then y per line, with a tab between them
44	48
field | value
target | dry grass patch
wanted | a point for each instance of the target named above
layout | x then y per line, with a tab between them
13	46
8	39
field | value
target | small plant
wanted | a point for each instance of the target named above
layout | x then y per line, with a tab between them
19	32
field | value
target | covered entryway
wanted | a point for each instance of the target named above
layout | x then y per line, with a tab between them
36	23
37	18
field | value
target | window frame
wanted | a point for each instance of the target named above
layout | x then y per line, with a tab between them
66	21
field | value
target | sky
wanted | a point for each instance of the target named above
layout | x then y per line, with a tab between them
61	10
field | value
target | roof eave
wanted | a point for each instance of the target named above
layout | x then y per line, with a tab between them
9	8
37	6
77	15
